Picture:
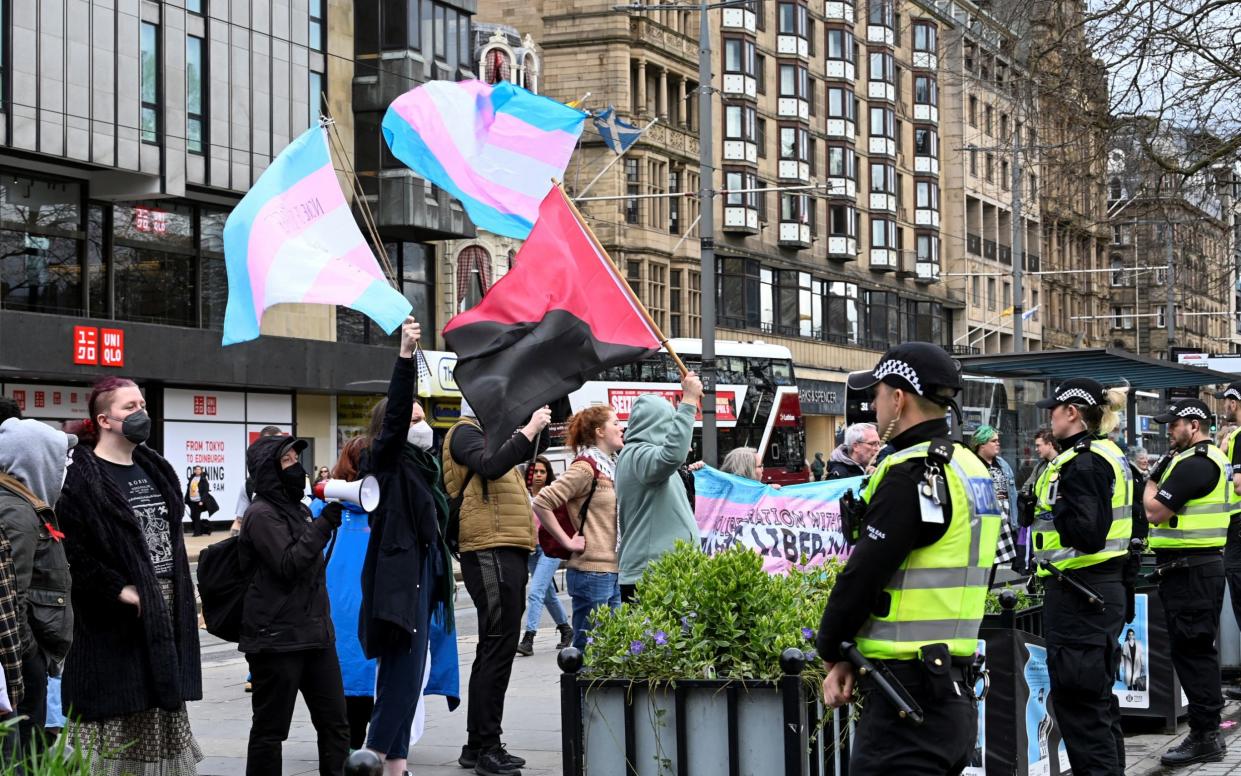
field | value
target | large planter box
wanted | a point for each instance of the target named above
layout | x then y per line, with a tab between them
1155	690
619	727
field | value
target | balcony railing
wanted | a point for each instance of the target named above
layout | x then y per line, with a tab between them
988	249
973	244
1006	254
1032	262
965	350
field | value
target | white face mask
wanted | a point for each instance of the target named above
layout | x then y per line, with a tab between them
420	435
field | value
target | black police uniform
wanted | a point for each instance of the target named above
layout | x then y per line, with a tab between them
1083	646
1232	551
894	529
1193	596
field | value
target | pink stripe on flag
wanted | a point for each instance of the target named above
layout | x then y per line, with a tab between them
513	134
417	110
284	217
344	279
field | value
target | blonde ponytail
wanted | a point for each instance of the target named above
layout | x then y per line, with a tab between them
1108	414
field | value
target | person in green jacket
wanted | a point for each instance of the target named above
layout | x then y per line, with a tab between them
653	507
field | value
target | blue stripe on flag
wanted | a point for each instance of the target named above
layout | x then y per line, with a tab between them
408	146
383	304
540	112
713	483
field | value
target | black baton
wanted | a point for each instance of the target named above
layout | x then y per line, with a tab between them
889	685
1087	592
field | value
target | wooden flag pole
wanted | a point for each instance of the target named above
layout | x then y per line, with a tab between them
624	282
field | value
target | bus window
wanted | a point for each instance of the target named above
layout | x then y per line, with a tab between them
782	372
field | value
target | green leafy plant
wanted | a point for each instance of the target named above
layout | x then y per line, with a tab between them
1024	599
710	617
62	757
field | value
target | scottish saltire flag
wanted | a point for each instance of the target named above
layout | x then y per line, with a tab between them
495	148
792	526
293	238
617	134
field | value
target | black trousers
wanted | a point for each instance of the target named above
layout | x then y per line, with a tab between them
886	745
34	702
1192	599
496	581
628	593
1232	564
1083	654
358	708
277	678
196	514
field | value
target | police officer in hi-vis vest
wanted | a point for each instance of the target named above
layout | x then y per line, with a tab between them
1081	522
911	598
1232	551
1189	499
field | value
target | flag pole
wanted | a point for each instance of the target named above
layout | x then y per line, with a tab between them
616	159
625	283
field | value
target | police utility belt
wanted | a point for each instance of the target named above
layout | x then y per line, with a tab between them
941	674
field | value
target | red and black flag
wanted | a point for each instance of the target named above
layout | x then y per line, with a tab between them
559	317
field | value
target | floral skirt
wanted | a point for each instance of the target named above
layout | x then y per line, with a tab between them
155	742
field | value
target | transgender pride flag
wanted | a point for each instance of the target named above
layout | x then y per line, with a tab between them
495	148
293	238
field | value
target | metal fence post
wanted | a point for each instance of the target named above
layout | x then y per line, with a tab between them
570	662
792	663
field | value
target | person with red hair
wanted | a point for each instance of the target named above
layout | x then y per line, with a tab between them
135	659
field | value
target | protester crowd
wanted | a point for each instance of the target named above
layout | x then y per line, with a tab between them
353	610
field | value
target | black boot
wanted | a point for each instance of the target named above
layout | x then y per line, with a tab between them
525	647
566	635
1198	747
497	762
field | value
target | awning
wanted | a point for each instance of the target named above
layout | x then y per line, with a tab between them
1107	365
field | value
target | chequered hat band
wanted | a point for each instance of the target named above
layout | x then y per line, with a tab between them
1077	393
900	369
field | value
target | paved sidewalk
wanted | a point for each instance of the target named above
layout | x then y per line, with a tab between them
1144	750
532	719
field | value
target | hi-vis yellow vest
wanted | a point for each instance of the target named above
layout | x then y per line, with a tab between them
1202	522
1230	446
938	594
1045	538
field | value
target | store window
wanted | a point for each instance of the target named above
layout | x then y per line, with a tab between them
153	255
214	274
40	245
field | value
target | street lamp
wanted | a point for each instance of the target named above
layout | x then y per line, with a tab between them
706	225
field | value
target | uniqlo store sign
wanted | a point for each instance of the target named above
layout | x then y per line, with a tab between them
98	347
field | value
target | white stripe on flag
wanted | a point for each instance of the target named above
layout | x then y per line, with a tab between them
299	260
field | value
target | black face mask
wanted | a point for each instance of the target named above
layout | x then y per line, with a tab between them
293	480
136	427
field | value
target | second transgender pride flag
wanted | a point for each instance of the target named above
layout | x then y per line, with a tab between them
495	148
293	238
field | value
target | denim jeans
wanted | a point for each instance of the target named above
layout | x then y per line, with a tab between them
542	592
590	590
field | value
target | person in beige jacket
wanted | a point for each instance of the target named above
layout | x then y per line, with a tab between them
588	489
496	537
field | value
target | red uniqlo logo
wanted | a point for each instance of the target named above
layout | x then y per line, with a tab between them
211	405
40	399
113	351
85	345
56	398
200	405
20	398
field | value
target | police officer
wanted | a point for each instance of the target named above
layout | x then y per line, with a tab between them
1232	550
1082	522
1188	501
913	592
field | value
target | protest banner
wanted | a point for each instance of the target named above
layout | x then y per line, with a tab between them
793	525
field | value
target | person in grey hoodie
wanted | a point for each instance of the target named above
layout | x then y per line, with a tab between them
32	470
651	500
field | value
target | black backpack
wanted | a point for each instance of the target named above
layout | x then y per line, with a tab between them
222	585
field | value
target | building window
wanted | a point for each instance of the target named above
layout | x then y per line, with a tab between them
633	187
1004	126
739	292
739	57
737	182
926	90
415	267
656	288
841	45
882	13
674	303
926	248
926	142
973	161
794	20
842	221
883	319
794	81
882	178
927	195
882	67
153	260
739	122
473	276
794	144
926	38
973	112
150	83
841	104
40	239
317	27
393	30
760	137
315	100
882	233
883	122
991	294
841	162
1004	177
195	98
988	119
674	205
842	312
195	6
990	158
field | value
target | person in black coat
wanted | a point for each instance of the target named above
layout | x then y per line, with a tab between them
198	499
286	626
135	658
404	567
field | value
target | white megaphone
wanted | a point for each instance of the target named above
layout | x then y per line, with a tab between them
363	493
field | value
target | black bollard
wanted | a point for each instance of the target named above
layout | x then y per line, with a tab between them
364	762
